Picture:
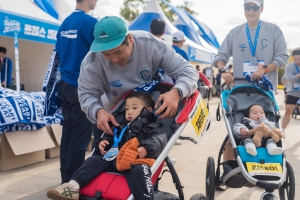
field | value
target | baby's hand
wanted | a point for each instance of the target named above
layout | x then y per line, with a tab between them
142	152
102	145
244	133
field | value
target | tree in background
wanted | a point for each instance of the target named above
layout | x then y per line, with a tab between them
132	8
187	5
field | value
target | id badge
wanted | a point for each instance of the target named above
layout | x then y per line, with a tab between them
297	86
247	68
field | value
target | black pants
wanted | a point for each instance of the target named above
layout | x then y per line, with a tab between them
138	177
76	132
97	134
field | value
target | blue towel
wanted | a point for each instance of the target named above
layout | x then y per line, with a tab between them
264	83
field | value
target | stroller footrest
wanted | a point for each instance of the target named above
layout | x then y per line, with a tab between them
262	154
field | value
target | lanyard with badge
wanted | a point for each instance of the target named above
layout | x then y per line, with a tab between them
114	151
297	83
252	65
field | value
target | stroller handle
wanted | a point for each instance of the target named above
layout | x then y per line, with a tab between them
228	87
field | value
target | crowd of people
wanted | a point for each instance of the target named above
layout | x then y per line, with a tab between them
105	58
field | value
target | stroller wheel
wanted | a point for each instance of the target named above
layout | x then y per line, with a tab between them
287	190
210	179
198	196
175	178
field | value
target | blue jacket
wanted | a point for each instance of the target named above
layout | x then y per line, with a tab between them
181	52
74	39
9	71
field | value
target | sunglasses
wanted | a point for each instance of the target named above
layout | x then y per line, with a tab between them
254	8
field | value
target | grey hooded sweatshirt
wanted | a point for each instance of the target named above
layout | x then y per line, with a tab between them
98	75
290	73
271	47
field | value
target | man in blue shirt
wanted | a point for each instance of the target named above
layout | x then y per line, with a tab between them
74	38
5	68
178	41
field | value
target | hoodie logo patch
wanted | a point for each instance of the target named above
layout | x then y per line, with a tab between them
145	74
242	46
116	83
264	43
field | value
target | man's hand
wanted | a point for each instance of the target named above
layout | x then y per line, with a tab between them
244	133
170	103
102	146
258	73
142	152
103	117
228	78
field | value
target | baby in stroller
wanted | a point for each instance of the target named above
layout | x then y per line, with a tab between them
253	116
139	122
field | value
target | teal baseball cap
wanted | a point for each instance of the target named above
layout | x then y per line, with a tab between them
109	33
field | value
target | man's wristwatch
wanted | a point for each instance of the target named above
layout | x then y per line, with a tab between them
266	68
179	92
222	70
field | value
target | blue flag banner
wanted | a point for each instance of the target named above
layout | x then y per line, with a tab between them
182	14
27	28
205	32
23	111
48	7
52	101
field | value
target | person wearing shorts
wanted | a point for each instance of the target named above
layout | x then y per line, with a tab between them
292	72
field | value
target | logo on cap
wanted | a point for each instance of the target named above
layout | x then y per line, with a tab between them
103	35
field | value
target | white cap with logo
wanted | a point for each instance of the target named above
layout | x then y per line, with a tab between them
257	2
178	36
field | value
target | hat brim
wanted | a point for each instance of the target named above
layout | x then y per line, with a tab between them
256	2
105	46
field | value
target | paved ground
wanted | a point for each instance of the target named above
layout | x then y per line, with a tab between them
32	182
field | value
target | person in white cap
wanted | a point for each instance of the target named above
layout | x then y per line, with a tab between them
257	47
178	42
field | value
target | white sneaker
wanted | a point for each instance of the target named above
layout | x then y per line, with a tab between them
173	161
222	186
178	142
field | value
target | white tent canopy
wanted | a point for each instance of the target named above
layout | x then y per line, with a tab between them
63	8
36	33
153	11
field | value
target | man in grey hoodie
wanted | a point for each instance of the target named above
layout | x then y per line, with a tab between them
120	61
257	47
292	73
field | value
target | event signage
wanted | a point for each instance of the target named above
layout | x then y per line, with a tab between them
198	55
27	28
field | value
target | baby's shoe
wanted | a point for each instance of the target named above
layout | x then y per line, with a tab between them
65	191
272	147
250	147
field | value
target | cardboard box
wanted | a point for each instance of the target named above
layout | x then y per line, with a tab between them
55	131
21	148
